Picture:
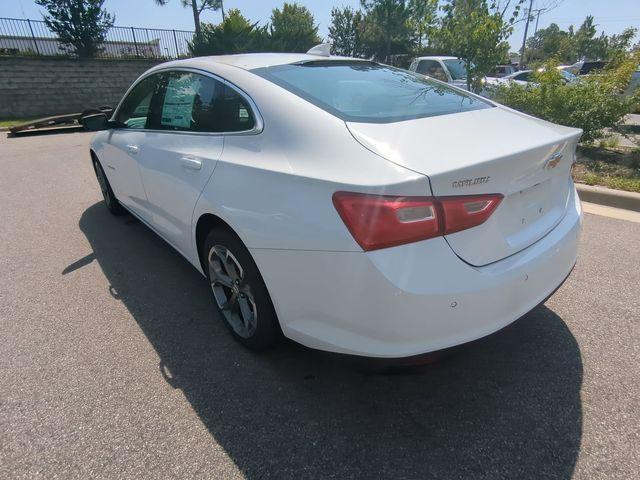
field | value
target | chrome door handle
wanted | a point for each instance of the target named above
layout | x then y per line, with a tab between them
132	149
191	162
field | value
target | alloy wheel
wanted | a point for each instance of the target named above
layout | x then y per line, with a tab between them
231	291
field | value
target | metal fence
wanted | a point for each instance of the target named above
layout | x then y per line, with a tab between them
33	38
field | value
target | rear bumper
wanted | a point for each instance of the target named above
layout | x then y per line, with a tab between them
413	299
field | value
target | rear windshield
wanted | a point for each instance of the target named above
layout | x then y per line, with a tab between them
368	92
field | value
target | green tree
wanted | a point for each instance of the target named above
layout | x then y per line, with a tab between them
198	8
387	28
423	15
345	31
581	44
476	32
79	24
235	34
586	45
615	46
552	42
293	29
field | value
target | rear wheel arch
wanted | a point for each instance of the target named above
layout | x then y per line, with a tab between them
211	230
206	223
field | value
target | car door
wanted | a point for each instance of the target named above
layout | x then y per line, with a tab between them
122	146
178	156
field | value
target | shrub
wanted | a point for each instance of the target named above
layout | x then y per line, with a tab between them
234	35
593	103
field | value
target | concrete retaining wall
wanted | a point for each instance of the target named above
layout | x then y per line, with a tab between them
36	87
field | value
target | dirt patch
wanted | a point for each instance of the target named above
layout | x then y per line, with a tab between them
614	168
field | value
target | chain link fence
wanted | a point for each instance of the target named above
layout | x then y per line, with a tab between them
20	37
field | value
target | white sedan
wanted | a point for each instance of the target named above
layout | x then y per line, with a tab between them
527	77
351	206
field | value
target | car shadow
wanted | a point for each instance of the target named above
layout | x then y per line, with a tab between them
507	406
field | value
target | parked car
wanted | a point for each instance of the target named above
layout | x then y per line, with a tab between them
570	68
522	77
582	67
587	68
526	77
590	67
502	71
446	69
351	206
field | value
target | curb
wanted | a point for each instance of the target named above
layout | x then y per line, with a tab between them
609	197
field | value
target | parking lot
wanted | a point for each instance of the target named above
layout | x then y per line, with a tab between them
114	364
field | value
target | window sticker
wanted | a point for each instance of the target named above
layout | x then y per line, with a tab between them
179	100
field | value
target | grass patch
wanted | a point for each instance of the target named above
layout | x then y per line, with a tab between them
609	142
618	183
619	168
11	123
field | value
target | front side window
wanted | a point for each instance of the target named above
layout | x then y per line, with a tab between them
136	107
361	91
198	103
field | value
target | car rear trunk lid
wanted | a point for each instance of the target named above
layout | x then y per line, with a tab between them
494	150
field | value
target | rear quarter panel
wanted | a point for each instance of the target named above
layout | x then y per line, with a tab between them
275	188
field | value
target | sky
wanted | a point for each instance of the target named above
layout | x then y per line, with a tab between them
612	16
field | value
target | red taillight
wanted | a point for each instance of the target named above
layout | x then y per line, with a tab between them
467	211
381	221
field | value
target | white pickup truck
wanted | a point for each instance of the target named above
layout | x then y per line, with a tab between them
446	69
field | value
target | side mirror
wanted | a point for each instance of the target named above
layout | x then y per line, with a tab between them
95	122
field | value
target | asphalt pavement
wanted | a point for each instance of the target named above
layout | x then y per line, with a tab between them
114	363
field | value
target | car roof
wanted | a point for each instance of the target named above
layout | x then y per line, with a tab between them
250	61
437	57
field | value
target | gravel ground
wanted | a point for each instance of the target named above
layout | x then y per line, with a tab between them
114	364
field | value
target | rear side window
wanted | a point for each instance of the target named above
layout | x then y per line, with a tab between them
236	113
368	92
433	69
198	103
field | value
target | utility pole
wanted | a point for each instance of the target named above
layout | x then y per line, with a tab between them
537	20
526	30
222	8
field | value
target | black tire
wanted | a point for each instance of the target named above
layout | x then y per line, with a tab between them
250	290
110	200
